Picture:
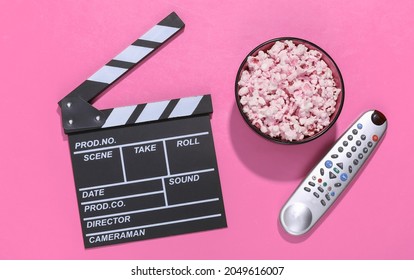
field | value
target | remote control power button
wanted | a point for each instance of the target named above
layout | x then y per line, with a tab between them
296	218
378	118
375	138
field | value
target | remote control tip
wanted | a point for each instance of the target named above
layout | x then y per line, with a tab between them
296	218
378	118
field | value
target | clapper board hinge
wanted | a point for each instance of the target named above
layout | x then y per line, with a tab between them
78	114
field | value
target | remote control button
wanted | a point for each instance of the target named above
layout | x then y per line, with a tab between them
325	184
319	180
350	137
323	202
354	132
332	193
358	143
365	150
336	170
345	143
360	156
329	189
334	156
355	162
340	149
348	155
328	164
344	177
374	138
316	194
340	165
327	197
313	177
353	148
378	118
321	189
359	126
338	185
311	183
370	144
331	175
350	169
322	171
363	137
307	189
297	217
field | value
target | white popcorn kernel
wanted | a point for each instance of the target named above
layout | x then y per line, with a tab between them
266	65
300	50
243	100
264	129
261	101
290	135
292	76
243	91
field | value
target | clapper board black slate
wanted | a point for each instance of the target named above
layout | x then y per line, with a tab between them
147	170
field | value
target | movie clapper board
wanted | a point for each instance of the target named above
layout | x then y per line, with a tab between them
142	171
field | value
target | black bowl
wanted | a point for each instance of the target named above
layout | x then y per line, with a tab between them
325	57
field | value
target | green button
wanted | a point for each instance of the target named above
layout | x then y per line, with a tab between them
325	184
336	170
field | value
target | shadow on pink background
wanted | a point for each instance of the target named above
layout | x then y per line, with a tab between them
48	48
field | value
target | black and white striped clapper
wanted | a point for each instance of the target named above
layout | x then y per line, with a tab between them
147	170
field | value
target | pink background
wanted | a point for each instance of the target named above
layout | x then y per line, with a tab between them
49	47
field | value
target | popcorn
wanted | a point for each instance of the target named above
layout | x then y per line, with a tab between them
288	92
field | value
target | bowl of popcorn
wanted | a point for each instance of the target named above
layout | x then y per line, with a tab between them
289	90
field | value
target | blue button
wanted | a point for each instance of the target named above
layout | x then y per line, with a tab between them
332	193
328	164
359	126
344	177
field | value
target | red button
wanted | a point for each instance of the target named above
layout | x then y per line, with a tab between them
319	180
374	138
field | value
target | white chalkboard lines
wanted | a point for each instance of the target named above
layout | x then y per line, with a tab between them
147	170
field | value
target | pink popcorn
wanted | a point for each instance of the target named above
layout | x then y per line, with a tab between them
288	92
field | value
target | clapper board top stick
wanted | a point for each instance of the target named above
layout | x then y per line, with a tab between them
147	170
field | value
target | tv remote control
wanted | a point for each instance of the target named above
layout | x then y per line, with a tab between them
324	184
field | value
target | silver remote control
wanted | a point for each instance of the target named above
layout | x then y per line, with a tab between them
324	184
